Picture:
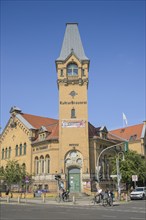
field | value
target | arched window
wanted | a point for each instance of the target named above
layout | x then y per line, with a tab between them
2	154
24	166
72	70
47	159
6	153
9	152
36	166
42	164
16	150
24	148
20	149
73	113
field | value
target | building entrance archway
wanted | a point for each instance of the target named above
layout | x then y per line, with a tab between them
74	179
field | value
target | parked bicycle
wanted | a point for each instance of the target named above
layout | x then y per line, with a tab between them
104	199
97	199
107	198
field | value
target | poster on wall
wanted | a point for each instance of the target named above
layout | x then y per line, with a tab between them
73	124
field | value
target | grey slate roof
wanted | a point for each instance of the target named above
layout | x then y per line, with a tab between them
72	43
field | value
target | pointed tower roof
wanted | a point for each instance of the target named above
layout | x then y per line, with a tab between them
72	43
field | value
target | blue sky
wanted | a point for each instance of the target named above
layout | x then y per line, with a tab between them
113	37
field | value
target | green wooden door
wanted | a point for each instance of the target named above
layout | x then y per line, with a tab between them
74	180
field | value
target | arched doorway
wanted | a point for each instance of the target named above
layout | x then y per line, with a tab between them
74	179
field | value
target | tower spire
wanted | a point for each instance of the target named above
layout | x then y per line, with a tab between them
72	43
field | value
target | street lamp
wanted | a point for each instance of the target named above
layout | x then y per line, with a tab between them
98	168
118	173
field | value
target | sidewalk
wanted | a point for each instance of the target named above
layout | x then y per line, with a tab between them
51	201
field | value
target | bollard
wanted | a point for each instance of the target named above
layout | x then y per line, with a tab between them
18	199
43	198
8	199
126	197
73	199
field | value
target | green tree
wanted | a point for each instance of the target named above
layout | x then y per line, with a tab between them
133	164
14	173
1	172
1	177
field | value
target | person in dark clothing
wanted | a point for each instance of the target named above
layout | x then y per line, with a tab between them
7	192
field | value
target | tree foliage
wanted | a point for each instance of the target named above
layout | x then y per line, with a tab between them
1	173
133	164
14	173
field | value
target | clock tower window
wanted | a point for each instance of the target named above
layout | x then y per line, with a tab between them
73	113
72	70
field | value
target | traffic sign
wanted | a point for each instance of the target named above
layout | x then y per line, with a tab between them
134	178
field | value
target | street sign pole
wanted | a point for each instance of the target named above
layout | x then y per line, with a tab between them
134	179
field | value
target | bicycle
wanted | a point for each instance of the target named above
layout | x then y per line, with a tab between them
107	201
64	197
96	200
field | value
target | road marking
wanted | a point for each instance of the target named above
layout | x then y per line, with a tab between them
109	216
137	218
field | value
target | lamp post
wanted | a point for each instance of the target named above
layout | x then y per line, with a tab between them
119	174
98	169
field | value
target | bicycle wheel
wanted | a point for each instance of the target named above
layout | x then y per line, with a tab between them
92	201
110	202
58	199
104	202
66	198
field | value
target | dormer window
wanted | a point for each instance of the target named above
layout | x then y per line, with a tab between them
133	138
42	136
43	132
72	70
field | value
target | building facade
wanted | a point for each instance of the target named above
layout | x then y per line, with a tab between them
135	135
70	145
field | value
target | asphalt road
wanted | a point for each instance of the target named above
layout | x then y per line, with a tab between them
134	210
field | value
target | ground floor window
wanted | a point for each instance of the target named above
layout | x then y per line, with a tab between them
42	165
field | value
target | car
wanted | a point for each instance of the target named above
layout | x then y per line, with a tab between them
138	193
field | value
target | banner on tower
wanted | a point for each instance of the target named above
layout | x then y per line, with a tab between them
73	124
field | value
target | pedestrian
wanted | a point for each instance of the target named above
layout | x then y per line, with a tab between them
111	194
98	195
7	192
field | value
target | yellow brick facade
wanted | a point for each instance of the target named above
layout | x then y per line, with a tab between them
13	137
73	139
69	146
